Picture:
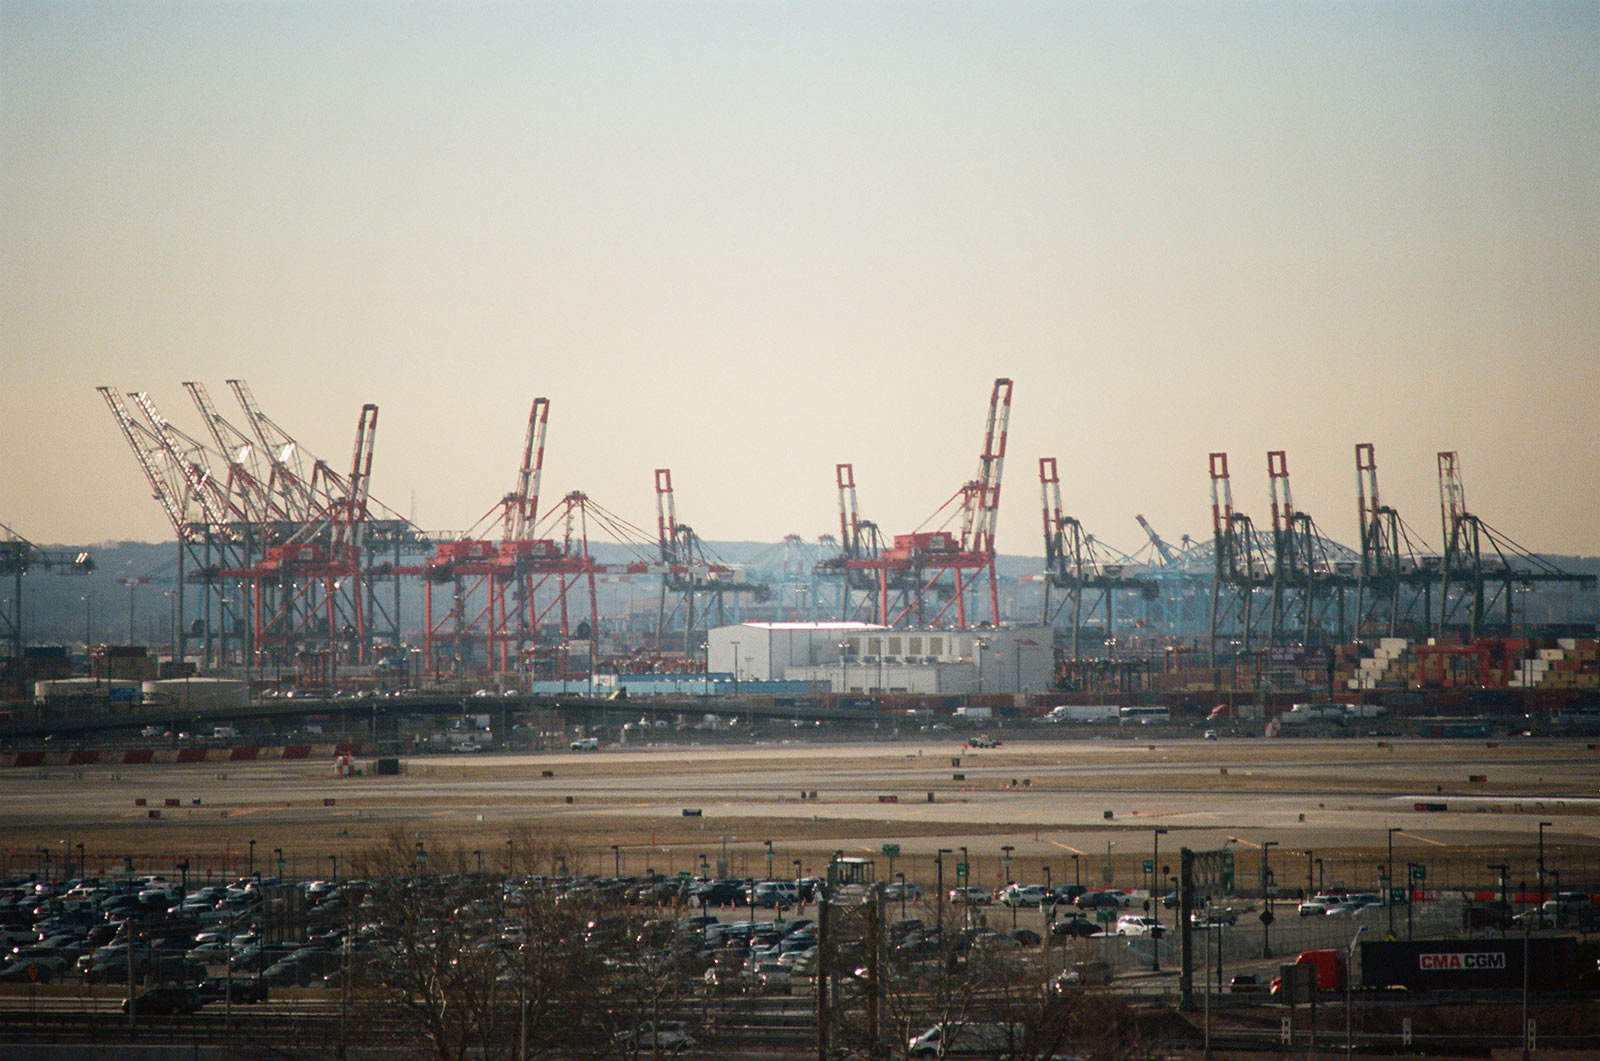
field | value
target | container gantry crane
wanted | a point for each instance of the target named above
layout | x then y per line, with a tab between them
1395	578
853	565
917	565
1311	575
1241	566
1482	569
492	576
696	582
18	557
1074	562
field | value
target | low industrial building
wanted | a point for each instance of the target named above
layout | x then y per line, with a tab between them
864	658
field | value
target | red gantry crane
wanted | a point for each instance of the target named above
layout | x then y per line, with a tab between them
927	565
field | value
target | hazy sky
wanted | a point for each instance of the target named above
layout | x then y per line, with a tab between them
747	241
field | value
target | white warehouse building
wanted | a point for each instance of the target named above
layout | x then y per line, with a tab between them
864	658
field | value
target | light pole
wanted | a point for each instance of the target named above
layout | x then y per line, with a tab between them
938	861
616	858
1542	827
978	646
252	872
901	877
1077	875
770	857
478	852
278	851
1005	858
844	667
335	860
1319	876
1388	880
735	667
964	874
1155	906
799	900
1266	890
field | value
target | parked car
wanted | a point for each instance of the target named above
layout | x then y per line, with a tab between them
970	895
1247	984
1487	915
1139	925
1093	900
242	988
1075	928
168	1000
1024	895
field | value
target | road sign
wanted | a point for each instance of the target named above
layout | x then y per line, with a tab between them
1105	914
961	869
891	850
1148	866
1419	871
1227	873
1397	897
683	876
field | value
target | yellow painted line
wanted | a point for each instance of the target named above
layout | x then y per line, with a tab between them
1424	839
1242	840
1067	847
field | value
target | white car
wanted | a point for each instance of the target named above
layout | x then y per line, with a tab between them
1139	925
1024	895
586	744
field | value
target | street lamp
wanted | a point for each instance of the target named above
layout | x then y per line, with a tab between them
799	899
978	646
1309	879
1319	876
1077	875
901	877
938	861
278	851
1005	858
1542	827
335	860
1388	880
1155	907
616	858
478	852
735	667
770	857
1266	890
252	872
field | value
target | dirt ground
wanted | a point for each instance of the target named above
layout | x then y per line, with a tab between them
1323	808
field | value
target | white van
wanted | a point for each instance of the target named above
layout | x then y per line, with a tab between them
586	744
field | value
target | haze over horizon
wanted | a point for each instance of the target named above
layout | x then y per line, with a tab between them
749	241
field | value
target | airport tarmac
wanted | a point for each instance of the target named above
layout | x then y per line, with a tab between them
1323	807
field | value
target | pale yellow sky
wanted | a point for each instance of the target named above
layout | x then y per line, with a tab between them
747	241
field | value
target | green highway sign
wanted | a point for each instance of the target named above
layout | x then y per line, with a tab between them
1149	866
1227	873
891	850
961	869
1419	871
1105	914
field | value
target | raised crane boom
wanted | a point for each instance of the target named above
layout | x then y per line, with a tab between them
523	504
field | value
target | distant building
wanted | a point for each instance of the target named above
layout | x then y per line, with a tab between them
863	658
